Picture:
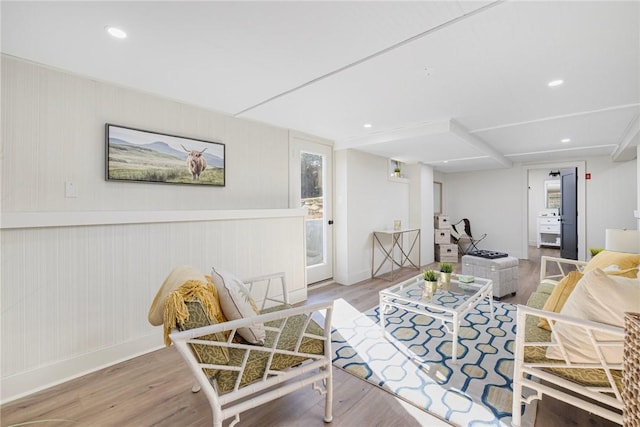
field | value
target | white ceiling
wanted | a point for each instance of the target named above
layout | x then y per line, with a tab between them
455	81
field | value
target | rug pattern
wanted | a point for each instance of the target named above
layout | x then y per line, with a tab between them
414	362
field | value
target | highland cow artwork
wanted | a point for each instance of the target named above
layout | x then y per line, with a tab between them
143	156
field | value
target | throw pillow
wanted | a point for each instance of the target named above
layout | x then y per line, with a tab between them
559	296
608	260
218	314
631	273
236	303
563	289
601	298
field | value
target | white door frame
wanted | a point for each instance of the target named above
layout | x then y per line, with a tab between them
299	142
582	205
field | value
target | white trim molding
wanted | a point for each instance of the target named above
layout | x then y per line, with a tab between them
71	219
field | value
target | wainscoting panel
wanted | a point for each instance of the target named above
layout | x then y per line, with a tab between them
75	298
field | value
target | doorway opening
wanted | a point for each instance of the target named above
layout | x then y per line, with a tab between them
540	207
311	185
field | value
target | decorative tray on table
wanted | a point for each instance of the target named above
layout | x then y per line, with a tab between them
488	254
462	278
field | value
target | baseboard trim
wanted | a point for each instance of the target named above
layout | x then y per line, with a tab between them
26	383
321	284
357	277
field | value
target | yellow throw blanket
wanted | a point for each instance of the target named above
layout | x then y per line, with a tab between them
175	308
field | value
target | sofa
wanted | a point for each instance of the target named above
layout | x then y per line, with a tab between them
242	340
560	350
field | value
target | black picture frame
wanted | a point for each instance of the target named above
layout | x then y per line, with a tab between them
154	157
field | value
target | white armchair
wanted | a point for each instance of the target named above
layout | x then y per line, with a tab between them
595	386
579	384
236	376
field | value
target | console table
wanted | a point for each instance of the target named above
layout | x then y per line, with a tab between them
392	244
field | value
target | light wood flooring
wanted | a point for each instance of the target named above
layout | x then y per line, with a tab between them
154	389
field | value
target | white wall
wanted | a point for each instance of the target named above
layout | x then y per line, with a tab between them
494	200
366	200
53	131
341	217
611	197
421	207
79	274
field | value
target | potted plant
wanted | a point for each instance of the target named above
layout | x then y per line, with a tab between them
446	269
595	251
396	172
430	283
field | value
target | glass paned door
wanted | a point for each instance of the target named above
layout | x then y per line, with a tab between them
311	198
311	189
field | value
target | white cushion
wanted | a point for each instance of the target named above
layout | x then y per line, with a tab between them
601	298
236	303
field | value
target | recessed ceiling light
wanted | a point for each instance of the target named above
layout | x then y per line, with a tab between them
554	83
116	32
565	140
367	125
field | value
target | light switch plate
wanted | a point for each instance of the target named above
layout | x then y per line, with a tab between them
70	189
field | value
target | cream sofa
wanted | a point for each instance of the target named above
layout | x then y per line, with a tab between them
594	386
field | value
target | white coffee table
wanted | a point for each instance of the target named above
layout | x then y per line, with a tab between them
449	306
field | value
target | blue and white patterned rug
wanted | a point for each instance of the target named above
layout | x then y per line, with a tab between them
415	362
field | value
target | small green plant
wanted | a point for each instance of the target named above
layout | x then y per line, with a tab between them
595	251
429	276
446	267
397	170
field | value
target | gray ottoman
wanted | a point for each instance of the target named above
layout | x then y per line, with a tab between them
502	271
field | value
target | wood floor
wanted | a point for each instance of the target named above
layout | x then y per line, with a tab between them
154	389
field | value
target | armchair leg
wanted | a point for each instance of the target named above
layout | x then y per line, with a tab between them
515	415
516	408
328	399
235	421
195	388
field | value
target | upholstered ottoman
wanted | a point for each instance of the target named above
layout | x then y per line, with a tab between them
502	271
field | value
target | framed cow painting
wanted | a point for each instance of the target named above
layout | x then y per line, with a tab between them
144	156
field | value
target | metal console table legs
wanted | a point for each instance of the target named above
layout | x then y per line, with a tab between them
396	253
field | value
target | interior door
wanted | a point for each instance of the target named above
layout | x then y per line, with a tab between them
311	187
569	213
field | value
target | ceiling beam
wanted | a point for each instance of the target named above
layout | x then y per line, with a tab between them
630	140
560	117
462	133
396	134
